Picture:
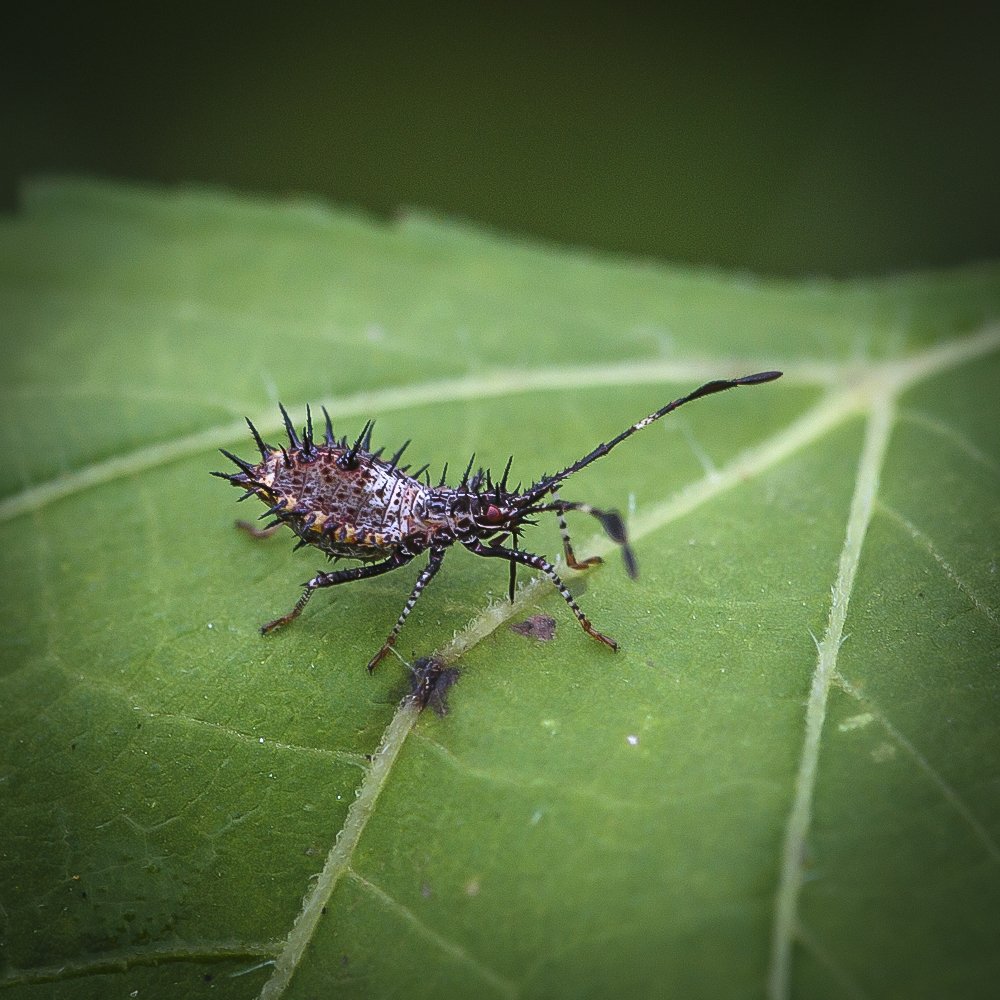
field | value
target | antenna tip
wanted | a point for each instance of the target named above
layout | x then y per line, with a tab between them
758	378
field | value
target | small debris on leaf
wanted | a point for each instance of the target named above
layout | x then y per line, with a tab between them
429	683
540	627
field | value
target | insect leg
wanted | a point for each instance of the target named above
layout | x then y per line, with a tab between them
612	523
544	566
571	559
331	580
254	532
433	565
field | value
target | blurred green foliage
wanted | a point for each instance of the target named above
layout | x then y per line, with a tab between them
755	139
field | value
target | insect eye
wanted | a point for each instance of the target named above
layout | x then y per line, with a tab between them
492	514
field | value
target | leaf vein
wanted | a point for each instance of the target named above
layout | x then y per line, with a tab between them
602	800
472	387
950	795
339	858
932	550
800	817
823	956
235	951
951	435
502	986
344	756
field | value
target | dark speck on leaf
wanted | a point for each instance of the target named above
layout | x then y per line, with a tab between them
540	627
429	683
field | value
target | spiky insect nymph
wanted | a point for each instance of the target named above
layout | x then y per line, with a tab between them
350	503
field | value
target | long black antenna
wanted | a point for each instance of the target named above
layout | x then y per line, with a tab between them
541	488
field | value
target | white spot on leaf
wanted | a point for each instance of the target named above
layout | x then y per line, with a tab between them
856	722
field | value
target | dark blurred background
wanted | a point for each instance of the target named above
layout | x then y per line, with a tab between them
783	140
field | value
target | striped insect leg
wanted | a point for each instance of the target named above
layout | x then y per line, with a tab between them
394	561
426	575
571	559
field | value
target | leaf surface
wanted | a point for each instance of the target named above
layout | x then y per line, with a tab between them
786	781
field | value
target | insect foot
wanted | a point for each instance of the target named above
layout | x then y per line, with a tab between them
350	502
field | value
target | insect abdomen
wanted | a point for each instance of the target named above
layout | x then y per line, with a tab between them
363	512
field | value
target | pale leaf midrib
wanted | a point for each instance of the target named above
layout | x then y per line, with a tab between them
800	818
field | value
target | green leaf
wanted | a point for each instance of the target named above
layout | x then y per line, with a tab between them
786	780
